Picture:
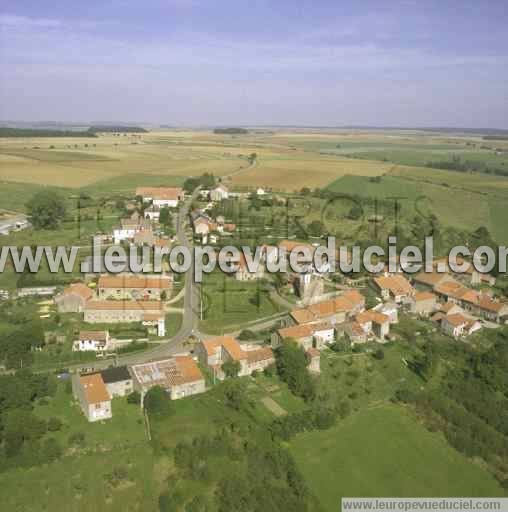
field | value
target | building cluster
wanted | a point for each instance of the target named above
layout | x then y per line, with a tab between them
120	298
141	229
447	298
215	352
180	376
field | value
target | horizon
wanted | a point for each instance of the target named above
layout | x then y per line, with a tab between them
187	63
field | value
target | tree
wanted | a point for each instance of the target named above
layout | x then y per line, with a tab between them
165	218
379	354
355	213
235	394
316	228
46	209
291	364
231	368
157	401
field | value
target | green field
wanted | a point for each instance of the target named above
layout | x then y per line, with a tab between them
384	452
228	304
474	204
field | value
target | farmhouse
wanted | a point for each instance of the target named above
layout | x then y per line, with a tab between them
73	299
131	286
458	325
219	193
306	335
93	396
180	376
355	332
161	196
470	276
91	341
129	227
395	287
203	225
118	381
427	281
334	311
215	352
423	303
118	311
374	323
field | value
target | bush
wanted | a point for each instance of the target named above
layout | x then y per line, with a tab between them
77	439
157	402
246	335
134	398
54	424
379	354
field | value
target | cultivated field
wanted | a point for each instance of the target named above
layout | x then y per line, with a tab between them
287	160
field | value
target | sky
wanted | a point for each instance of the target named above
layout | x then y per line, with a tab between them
257	62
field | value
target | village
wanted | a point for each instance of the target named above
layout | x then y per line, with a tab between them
318	315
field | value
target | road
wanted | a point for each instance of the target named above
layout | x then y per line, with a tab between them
175	344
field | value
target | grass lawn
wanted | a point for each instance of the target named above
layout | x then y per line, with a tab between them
384	452
81	480
124	428
229	304
81	484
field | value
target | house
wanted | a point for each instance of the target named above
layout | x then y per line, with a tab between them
118	381
152	213
315	335
423	303
493	310
390	309
458	325
93	396
161	196
156	323
334	311
202	225
374	323
74	298
91	341
355	332
180	376
427	281
470	276
129	227
133	286
450	308
144	237
395	287
219	193
314	360
303	334
214	352
118	311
